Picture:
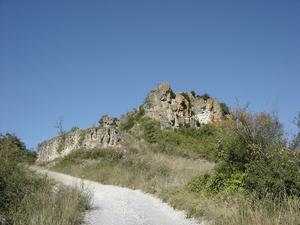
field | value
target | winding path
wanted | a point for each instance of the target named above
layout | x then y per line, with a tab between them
114	205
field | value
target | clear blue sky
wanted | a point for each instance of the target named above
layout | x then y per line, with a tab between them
83	59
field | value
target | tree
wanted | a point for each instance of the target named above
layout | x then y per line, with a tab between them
295	143
59	126
61	132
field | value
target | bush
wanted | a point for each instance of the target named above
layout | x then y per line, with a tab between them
186	141
193	93
254	159
132	118
81	154
151	129
278	174
28	199
225	109
50	204
14	150
128	123
205	96
295	143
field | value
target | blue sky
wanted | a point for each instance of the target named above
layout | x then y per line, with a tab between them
83	59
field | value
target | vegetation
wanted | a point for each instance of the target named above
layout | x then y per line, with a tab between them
254	159
193	93
157	173
256	180
225	109
295	144
130	119
26	198
188	142
205	96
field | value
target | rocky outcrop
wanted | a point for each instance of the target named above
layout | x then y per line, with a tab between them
181	109
105	135
172	110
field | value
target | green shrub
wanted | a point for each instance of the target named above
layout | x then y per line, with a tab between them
101	119
151	129
128	123
254	158
205	96
224	108
130	119
278	174
22	193
50	204
197	184
14	150
187	142
295	143
77	156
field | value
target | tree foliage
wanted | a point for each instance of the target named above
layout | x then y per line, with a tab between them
253	158
295	143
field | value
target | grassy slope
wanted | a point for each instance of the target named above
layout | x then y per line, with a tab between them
47	203
167	177
151	172
164	162
26	198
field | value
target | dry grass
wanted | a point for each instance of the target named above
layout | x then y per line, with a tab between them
51	204
229	209
261	212
47	203
167	177
148	171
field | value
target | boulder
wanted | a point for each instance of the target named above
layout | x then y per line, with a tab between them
175	110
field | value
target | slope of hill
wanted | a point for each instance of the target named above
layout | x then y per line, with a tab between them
171	110
189	151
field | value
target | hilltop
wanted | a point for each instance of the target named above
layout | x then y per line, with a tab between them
170	109
188	150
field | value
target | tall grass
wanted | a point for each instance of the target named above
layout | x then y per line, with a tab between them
256	180
51	204
265	211
29	199
149	171
168	175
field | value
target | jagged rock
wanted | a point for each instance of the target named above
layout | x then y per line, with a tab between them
171	109
181	109
107	121
106	135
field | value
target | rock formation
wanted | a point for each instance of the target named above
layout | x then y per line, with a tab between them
105	135
181	109
172	110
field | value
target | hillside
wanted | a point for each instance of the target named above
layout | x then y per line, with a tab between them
228	168
26	198
172	111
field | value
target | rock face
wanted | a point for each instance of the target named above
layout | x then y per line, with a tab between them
181	109
172	110
105	135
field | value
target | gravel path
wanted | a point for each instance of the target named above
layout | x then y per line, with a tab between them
114	205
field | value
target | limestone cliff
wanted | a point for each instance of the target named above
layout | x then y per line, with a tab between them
172	110
181	109
105	135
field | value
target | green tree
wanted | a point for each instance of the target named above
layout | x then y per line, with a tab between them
295	143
